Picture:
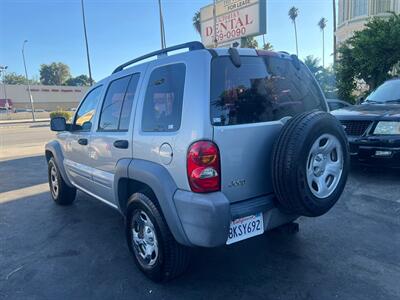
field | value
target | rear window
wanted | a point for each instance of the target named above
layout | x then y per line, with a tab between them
262	89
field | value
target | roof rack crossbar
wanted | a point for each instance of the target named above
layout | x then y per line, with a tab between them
191	46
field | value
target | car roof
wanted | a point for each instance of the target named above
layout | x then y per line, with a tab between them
159	55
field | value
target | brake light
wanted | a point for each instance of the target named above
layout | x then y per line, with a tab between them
203	167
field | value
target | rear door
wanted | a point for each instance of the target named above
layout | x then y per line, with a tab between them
112	138
248	107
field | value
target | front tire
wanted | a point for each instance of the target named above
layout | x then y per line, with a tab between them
60	192
155	251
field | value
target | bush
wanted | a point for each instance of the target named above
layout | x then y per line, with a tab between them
62	113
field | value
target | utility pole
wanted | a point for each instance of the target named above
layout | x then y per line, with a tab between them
27	81
162	29
215	24
334	32
86	43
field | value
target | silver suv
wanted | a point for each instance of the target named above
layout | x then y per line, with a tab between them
205	148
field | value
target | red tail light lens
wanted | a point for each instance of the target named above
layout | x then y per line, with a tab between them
203	167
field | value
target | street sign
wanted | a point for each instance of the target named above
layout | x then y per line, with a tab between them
234	19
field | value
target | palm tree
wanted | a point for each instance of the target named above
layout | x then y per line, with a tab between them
293	14
322	25
196	22
312	63
251	42
268	46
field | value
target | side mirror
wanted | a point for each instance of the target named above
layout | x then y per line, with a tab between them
58	124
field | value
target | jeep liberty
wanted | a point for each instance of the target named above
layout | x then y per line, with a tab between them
204	148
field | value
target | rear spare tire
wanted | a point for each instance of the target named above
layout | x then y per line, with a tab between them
310	164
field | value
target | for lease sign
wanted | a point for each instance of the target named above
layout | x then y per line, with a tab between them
234	19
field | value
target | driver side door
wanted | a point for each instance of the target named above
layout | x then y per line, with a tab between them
77	160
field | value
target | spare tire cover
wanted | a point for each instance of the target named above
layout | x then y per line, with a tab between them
310	164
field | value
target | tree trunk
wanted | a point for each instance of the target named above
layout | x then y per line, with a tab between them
295	34
323	48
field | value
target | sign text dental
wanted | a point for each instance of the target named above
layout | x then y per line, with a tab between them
234	19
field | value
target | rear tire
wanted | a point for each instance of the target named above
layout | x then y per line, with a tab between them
155	251
310	164
60	192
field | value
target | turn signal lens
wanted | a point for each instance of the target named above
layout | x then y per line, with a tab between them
203	167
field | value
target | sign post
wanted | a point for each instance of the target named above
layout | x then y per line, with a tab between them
226	21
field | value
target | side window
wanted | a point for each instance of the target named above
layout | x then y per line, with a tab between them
163	102
117	107
112	104
128	103
87	110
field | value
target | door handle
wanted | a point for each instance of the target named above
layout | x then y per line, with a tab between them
83	142
121	144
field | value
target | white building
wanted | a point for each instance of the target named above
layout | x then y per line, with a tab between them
44	97
353	14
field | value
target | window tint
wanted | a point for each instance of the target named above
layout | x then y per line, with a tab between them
87	110
261	90
163	102
128	102
112	105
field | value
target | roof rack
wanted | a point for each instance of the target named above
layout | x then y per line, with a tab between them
191	46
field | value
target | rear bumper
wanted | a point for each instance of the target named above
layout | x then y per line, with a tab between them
205	218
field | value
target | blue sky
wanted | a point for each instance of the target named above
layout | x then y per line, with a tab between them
119	30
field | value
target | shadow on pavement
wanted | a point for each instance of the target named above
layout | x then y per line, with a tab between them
79	252
22	172
376	171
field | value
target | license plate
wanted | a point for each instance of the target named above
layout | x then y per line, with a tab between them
383	153
246	227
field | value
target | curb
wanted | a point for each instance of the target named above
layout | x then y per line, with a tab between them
27	121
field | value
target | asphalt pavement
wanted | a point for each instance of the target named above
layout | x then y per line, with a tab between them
79	252
23	139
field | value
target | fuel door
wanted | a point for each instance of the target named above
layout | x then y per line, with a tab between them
166	154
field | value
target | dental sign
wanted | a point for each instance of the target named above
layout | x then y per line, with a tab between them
234	19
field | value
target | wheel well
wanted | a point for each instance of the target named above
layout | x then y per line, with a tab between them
127	187
48	154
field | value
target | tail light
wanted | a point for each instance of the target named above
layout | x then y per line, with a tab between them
203	167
